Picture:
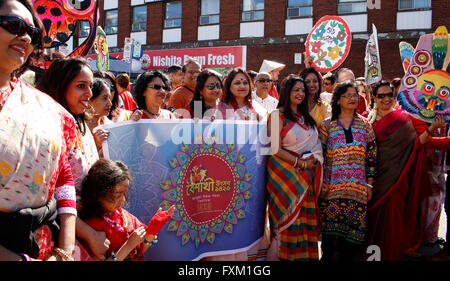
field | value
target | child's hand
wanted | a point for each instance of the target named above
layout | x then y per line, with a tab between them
159	219
137	237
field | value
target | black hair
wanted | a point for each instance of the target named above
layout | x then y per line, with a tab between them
141	86
57	79
99	182
174	68
227	95
382	83
339	90
312	70
285	100
201	81
110	79
98	86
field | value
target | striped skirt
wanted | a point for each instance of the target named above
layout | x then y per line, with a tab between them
293	211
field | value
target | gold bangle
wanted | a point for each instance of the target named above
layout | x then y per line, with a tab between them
63	254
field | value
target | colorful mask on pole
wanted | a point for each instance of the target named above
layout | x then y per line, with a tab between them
61	18
425	88
101	49
328	43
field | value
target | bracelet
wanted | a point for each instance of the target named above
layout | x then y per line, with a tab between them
154	241
428	131
296	161
369	186
304	165
113	255
25	257
63	254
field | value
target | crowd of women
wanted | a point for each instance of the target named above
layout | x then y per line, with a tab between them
349	172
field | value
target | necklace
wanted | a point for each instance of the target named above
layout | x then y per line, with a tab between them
115	225
153	114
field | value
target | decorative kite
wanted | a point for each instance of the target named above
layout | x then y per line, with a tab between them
101	49
328	43
372	60
61	18
425	88
406	53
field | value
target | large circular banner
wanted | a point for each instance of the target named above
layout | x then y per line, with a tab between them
328	43
209	186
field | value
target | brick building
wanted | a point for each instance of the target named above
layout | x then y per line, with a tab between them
270	29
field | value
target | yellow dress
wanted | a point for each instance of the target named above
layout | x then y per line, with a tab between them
319	112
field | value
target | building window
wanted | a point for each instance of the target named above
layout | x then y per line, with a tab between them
299	8
209	12
173	14
111	22
414	4
85	27
139	19
252	10
352	7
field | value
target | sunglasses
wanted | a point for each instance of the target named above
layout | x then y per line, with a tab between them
262	80
212	86
158	87
19	27
382	96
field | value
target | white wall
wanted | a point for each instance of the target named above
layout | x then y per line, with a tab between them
298	26
171	35
414	20
140	36
252	29
110	4
356	23
111	40
208	32
136	2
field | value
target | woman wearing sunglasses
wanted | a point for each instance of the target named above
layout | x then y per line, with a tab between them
349	168
206	102
150	91
36	134
402	174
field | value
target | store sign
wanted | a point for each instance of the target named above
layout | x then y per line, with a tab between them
217	57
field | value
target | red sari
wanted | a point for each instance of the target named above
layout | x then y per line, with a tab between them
394	211
118	227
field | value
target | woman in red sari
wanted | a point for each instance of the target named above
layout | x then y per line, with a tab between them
394	213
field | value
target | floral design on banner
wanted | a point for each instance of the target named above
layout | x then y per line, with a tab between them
328	43
425	88
208	186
